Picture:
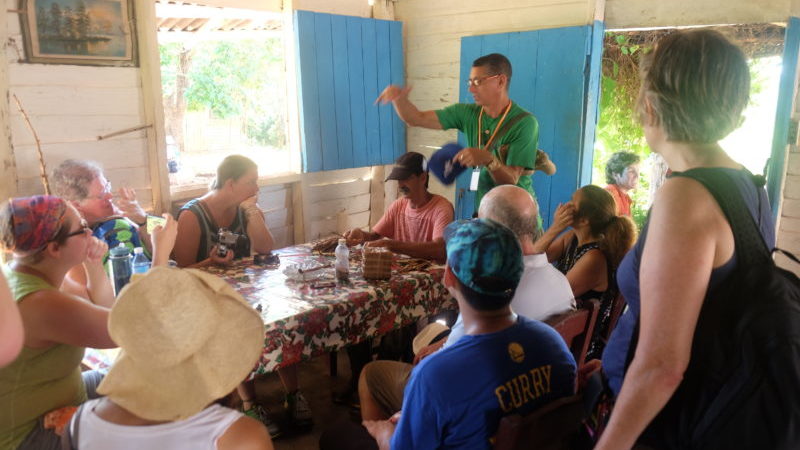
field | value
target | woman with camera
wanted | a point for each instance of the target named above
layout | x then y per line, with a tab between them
225	223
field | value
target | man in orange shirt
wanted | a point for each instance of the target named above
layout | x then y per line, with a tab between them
622	175
413	224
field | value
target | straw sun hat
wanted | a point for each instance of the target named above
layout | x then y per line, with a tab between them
186	337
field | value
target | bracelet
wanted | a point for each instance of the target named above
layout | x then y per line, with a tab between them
494	164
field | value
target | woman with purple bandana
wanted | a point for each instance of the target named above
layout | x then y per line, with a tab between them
47	238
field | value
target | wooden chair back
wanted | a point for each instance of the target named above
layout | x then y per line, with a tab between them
616	311
549	427
577	328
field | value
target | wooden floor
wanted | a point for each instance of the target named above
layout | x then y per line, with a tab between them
317	386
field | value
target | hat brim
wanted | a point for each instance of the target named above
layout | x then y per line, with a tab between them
399	174
425	337
166	390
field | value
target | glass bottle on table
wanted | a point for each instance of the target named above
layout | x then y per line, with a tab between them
342	262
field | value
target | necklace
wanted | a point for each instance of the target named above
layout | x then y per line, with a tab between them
496	127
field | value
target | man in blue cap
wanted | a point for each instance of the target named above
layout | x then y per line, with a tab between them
515	365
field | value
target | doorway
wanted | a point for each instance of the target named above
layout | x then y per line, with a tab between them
618	128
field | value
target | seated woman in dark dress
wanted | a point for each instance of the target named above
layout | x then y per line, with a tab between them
589	253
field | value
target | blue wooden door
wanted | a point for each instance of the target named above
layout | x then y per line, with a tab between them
781	137
556	75
342	64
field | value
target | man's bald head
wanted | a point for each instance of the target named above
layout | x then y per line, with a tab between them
513	207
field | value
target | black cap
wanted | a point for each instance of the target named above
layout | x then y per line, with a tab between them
411	163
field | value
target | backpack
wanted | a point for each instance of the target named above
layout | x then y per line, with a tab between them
742	386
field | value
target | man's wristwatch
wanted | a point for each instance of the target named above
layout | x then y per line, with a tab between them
494	164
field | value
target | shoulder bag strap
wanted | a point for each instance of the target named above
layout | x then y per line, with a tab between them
504	129
749	243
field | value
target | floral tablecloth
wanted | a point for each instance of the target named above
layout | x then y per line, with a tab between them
302	322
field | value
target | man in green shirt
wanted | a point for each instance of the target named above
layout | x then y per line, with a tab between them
502	137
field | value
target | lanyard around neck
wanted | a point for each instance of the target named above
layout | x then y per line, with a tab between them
496	128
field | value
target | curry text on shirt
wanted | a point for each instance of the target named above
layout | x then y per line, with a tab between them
524	388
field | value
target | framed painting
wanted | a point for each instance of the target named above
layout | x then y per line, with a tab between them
85	32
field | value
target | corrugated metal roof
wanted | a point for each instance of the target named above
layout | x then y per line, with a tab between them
172	16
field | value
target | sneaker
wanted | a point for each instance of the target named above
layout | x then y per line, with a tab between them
259	413
298	409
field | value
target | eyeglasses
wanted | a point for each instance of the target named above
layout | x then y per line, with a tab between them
105	193
479	81
82	230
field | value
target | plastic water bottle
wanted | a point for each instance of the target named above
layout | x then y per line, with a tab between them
140	262
342	262
120	267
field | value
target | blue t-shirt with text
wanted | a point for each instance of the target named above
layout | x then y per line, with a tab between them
456	397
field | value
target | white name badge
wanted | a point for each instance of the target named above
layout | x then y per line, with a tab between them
473	182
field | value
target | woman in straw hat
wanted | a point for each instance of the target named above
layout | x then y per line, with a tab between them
47	238
187	339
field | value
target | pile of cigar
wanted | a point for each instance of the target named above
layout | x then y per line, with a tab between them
326	245
406	265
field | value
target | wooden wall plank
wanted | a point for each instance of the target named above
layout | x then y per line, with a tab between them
321	228
70	129
111	154
398	77
278	218
532	16
329	208
310	132
341	90
386	117
372	89
331	192
447	8
355	62
63	100
74	76
327	104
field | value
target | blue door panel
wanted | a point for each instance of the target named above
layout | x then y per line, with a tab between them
343	64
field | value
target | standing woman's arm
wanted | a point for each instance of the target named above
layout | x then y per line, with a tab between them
12	334
684	239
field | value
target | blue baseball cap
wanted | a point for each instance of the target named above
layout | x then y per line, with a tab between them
442	164
485	256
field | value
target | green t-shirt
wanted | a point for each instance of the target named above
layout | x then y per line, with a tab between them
40	379
519	144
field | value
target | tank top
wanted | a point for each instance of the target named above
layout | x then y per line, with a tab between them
199	432
40	379
209	229
616	352
571	255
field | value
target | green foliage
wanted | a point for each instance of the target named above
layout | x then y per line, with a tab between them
618	128
234	78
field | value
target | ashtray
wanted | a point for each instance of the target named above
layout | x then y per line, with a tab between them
270	259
